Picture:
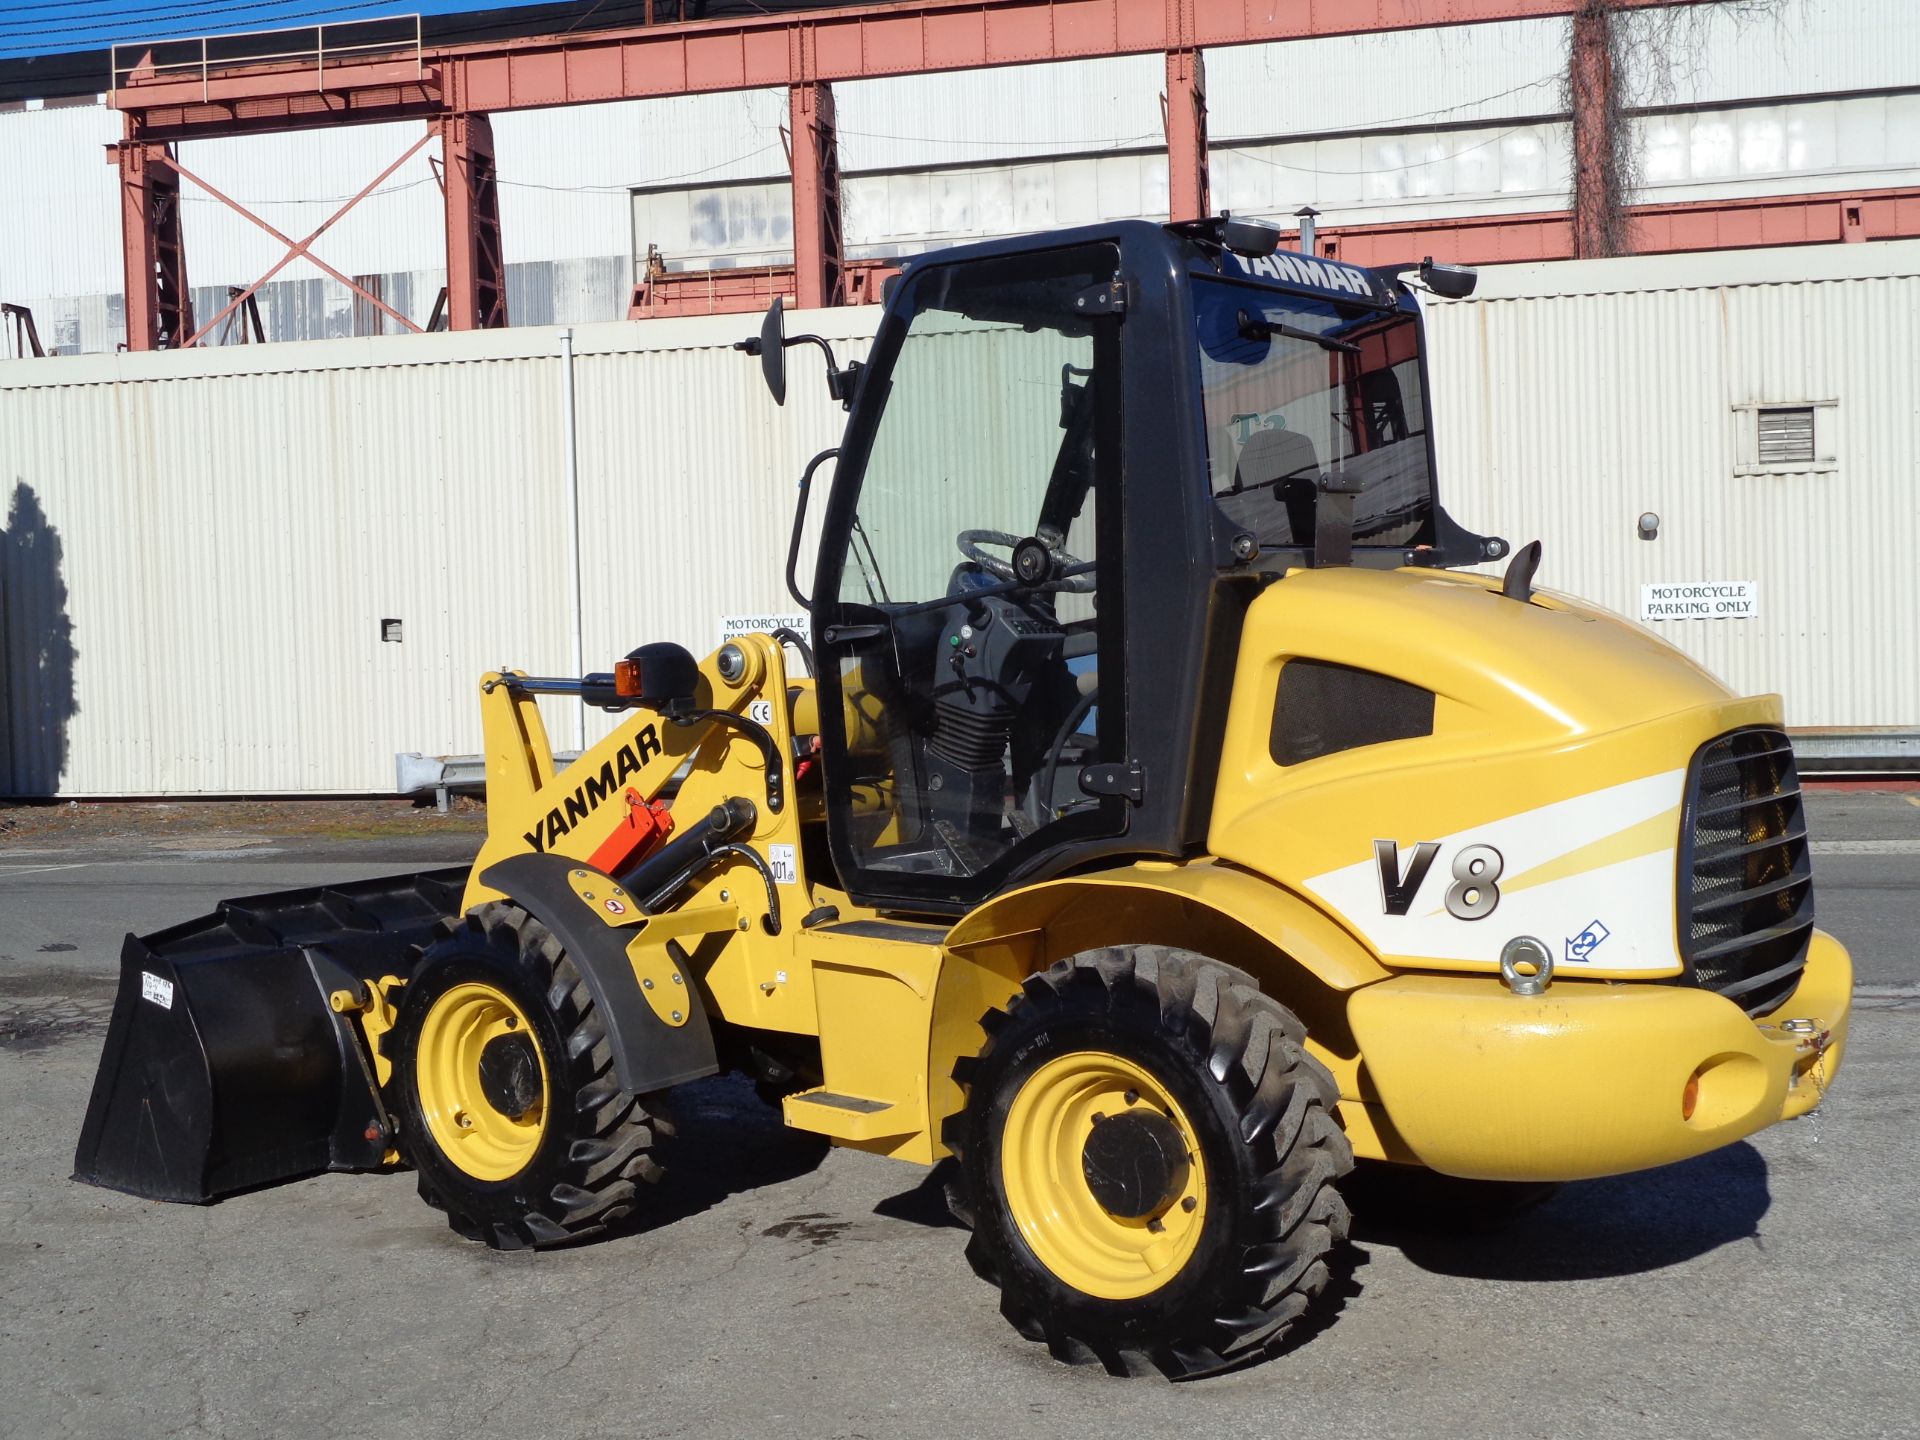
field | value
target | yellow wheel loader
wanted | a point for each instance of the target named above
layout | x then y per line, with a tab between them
1155	820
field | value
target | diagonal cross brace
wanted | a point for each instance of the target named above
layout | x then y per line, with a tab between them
296	249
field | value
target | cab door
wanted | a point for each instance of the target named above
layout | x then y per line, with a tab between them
967	601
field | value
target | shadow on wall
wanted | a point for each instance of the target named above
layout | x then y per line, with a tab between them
37	701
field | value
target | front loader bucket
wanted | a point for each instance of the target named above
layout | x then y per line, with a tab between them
225	1065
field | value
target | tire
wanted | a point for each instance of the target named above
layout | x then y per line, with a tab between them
568	1164
1193	1056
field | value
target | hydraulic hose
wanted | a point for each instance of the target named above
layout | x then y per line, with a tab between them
661	877
687	851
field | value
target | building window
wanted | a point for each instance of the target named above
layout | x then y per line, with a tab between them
1795	438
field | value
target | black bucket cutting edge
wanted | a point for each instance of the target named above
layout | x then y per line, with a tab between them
225	1066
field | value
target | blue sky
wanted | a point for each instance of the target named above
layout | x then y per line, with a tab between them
45	27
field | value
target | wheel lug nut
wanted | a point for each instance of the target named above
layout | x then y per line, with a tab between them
1098	1117
1133	1097
1155	1226
1190	1204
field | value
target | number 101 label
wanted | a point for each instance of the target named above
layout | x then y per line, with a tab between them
780	860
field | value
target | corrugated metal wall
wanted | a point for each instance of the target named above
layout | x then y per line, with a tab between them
1573	397
200	548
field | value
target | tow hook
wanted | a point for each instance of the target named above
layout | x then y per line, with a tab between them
1811	1039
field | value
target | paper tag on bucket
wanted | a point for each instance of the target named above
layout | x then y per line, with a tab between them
159	991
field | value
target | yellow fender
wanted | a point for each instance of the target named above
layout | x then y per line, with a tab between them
1296	953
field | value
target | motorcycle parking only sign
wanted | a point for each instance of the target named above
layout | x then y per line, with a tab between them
1700	600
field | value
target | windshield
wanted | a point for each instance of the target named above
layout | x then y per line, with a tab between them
1297	388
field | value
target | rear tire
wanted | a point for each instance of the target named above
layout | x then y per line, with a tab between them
1207	1262
538	1145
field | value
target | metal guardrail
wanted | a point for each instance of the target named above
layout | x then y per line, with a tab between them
1880	750
415	774
200	62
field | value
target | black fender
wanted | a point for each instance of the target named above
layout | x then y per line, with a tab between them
648	1053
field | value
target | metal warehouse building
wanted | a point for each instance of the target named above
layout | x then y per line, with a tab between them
194	544
198	544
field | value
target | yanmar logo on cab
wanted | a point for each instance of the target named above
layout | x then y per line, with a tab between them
1317	274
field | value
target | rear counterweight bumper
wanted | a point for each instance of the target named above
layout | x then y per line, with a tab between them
1587	1078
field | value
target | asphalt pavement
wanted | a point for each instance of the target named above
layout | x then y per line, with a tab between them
774	1289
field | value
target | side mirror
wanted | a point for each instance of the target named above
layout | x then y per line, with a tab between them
771	346
661	676
773	350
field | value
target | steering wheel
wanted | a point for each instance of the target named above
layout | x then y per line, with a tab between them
1010	569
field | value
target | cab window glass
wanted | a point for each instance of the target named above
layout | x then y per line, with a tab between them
1296	388
974	572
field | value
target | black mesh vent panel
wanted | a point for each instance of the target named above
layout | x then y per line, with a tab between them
1323	708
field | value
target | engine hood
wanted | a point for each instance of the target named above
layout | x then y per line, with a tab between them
1555	748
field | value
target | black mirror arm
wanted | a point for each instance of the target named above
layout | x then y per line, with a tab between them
839	381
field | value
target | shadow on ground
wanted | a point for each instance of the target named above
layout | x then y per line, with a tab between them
726	1141
1623	1225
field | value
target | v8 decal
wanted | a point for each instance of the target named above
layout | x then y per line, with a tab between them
1476	869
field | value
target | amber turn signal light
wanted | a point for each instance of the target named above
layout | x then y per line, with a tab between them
626	678
1690	1097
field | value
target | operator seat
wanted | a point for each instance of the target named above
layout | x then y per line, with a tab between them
1272	457
1274	465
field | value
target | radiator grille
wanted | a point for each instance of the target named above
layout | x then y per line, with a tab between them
1746	880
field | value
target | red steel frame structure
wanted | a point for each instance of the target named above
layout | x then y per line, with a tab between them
454	89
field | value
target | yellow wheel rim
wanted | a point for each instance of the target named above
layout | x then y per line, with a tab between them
469	1130
1110	1256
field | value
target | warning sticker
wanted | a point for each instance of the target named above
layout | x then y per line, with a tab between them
780	860
159	991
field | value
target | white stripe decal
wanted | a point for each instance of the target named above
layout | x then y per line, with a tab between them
1616	916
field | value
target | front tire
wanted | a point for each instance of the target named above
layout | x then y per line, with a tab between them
1147	1156
505	1091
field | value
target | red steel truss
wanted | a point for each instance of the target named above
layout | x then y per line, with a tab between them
166	100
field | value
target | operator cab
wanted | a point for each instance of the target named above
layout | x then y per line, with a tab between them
1068	469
